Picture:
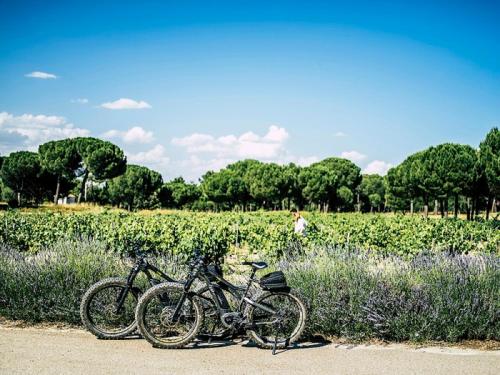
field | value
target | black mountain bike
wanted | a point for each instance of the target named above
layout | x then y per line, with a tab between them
273	318
108	307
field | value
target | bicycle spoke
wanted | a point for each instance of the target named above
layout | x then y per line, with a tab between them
102	310
158	318
281	325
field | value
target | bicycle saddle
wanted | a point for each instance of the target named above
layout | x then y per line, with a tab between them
256	265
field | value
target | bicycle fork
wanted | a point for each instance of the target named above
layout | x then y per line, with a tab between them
120	300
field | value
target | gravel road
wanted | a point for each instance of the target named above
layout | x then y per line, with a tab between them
53	351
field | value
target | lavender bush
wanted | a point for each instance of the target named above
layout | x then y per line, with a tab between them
49	285
432	297
353	294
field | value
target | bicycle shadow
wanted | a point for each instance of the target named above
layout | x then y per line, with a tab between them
313	343
197	344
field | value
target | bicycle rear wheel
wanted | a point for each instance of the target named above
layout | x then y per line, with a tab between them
284	327
154	316
212	327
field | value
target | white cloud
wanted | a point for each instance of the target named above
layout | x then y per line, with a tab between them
41	75
194	167
247	145
28	131
80	100
353	155
124	103
155	158
276	134
305	161
377	166
340	134
210	153
132	135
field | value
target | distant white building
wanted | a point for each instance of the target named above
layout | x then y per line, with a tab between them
70	199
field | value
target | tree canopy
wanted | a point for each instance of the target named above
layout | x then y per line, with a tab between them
445	174
136	187
61	159
21	172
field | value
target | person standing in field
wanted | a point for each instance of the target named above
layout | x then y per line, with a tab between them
300	223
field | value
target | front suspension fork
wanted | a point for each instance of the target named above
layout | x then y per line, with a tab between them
123	294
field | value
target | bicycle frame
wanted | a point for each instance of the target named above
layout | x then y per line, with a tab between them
141	265
239	292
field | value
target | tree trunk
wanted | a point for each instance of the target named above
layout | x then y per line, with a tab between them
435	207
82	186
411	206
58	187
488	207
456	206
468	209
18	199
446	207
426	207
494	206
441	208
85	190
359	203
371	209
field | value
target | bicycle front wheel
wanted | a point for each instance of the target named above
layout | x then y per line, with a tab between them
283	327
101	314
154	316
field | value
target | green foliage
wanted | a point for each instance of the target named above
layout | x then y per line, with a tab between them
59	157
266	184
323	181
454	167
179	194
101	158
345	197
22	173
490	160
259	232
318	183
372	191
136	187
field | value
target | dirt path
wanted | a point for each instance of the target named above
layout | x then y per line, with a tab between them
52	351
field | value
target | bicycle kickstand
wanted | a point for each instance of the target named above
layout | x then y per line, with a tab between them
275	340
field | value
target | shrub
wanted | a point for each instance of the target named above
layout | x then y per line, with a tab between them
49	285
435	296
354	294
266	233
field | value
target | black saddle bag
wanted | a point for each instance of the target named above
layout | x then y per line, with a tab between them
274	282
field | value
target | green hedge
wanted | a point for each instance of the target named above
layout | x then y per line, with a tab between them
261	232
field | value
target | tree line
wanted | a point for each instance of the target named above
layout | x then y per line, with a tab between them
443	177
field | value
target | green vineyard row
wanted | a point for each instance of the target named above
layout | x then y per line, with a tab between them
266	233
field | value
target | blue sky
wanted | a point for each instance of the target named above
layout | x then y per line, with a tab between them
188	86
